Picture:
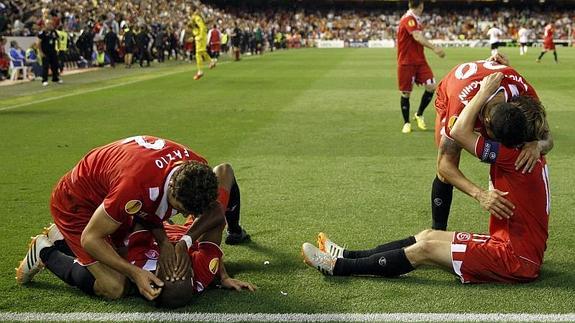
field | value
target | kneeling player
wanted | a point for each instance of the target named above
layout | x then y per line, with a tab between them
511	253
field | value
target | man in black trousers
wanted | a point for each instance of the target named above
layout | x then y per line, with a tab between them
47	39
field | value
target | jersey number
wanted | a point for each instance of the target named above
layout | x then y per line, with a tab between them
140	140
466	70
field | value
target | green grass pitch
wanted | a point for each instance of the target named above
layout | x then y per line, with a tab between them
315	139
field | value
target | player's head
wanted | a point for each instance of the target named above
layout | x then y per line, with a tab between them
176	293
415	4
506	124
536	127
193	188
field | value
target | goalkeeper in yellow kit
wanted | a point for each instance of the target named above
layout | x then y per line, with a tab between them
200	33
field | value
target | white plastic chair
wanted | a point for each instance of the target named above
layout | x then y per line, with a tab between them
15	69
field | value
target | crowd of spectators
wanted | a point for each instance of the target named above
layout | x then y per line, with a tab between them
159	26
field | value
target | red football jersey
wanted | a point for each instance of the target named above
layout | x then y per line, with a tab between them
458	87
529	192
130	177
549	32
409	51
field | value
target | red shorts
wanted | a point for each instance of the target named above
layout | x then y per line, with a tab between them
409	74
479	258
188	46
215	48
205	256
72	216
549	45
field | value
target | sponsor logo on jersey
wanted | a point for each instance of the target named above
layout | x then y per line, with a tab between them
133	206
411	23
214	265
463	236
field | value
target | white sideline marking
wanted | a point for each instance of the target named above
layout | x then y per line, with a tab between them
286	317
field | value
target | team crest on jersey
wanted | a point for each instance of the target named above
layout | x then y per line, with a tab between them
133	206
463	236
214	265
451	122
411	23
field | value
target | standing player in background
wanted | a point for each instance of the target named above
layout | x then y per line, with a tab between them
548	43
412	66
236	41
200	33
494	34
215	42
454	92
523	35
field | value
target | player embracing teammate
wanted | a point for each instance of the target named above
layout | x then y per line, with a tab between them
412	66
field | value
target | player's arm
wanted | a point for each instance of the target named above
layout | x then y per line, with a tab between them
231	283
463	133
418	36
93	240
213	217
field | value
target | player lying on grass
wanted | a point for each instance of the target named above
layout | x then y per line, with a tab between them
454	92
141	249
513	250
143	179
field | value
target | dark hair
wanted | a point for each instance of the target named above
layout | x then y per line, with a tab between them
536	127
195	185
414	3
508	124
176	293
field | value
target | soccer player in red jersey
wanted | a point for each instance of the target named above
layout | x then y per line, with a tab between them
513	250
411	64
141	179
454	92
548	43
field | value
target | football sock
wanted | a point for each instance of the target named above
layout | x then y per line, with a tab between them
555	55
391	263
405	109
541	55
425	99
68	270
233	210
62	246
398	244
441	196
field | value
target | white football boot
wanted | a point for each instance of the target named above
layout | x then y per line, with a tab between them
328	246
32	264
53	233
317	259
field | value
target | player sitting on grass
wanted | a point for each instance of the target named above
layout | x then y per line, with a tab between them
511	253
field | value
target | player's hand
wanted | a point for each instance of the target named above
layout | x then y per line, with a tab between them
184	264
439	51
499	58
237	284
168	261
528	157
490	83
495	202
148	284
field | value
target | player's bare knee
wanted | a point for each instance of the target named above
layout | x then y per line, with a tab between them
225	174
430	87
416	253
405	94
424	235
110	288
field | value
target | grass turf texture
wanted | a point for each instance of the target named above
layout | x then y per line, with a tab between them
314	137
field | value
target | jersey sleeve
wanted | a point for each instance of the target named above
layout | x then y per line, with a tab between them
493	152
411	25
123	200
